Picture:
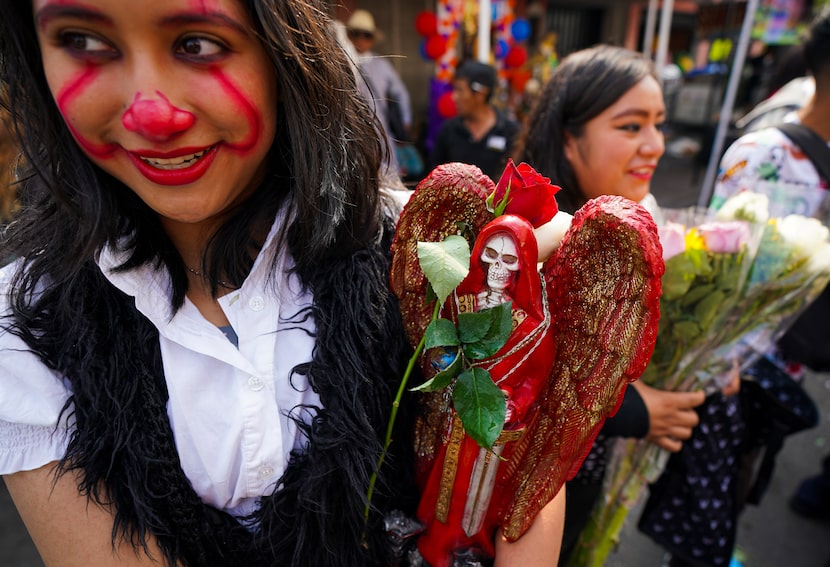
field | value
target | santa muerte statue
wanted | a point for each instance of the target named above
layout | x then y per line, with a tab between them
550	322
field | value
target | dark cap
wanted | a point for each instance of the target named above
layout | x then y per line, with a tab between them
479	75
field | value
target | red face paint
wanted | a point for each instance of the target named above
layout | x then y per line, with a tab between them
156	119
70	91
246	107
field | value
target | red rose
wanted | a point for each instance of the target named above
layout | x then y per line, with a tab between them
529	195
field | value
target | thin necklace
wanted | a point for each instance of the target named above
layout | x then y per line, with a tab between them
226	285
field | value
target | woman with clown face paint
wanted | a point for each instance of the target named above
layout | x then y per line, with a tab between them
202	230
189	337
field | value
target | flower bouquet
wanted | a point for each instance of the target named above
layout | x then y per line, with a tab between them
791	268
728	293
708	262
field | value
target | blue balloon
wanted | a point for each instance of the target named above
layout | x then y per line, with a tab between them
502	47
422	49
520	30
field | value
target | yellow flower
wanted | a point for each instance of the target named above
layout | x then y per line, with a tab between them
694	241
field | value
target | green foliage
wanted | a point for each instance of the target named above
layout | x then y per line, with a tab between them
445	264
484	332
480	405
479	402
441	332
445	377
698	290
454	350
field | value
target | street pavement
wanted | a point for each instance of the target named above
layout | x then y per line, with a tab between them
769	535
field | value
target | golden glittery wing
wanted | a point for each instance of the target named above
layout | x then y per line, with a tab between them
604	291
450	200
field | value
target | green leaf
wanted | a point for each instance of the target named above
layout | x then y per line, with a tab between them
445	264
502	205
472	327
500	325
729	271
679	275
701	260
441	332
443	378
708	308
480	405
685	331
697	293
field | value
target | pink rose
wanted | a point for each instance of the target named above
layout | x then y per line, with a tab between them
725	237
672	239
529	195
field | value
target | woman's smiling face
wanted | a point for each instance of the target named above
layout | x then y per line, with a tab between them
175	98
618	149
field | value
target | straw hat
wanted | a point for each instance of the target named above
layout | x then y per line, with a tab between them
362	20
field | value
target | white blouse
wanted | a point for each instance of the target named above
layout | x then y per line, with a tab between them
228	407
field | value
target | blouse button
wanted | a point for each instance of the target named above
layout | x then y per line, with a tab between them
266	472
256	303
255	383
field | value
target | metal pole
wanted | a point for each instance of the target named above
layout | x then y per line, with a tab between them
484	10
663	39
728	103
651	18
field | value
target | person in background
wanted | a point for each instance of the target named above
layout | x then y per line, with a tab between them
596	129
766	154
694	507
480	134
388	92
768	157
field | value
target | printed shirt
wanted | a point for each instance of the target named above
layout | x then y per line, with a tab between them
767	161
229	407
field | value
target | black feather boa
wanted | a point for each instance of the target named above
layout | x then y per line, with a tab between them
124	450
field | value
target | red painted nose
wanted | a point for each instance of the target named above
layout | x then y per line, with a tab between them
156	119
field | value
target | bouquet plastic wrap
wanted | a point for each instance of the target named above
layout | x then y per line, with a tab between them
791	268
735	279
708	262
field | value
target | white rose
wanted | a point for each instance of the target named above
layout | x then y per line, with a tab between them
819	260
802	235
746	206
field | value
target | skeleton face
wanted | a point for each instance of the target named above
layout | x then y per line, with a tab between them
501	255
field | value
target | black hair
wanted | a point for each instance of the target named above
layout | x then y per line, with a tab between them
477	75
323	165
817	46
584	84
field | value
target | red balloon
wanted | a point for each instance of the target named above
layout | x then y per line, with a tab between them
516	57
426	24
436	46
519	80
446	105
